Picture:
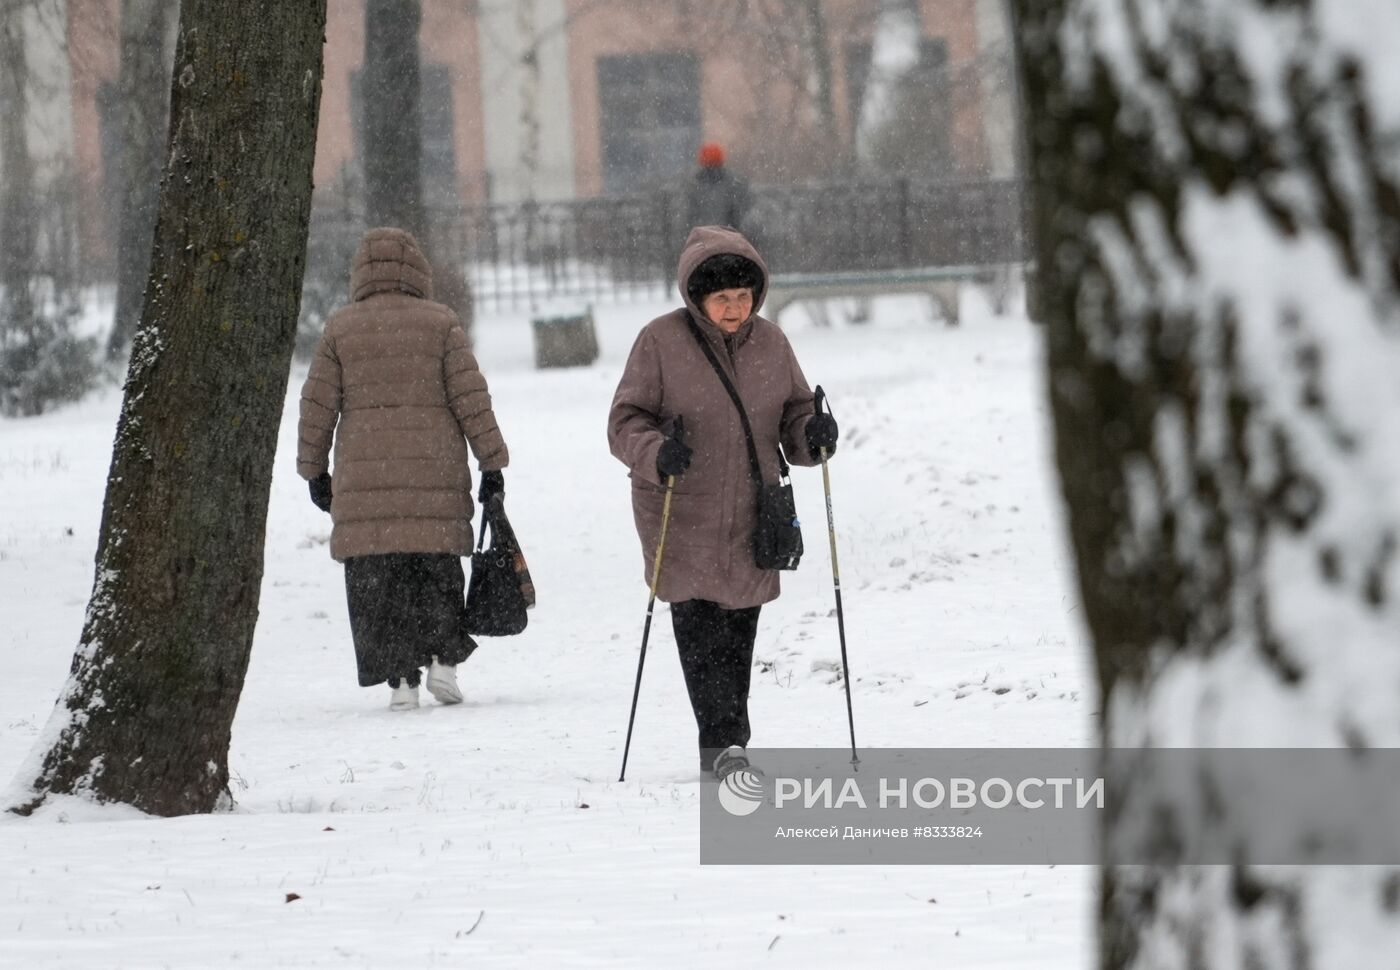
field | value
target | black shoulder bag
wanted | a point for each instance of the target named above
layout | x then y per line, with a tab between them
500	590
777	535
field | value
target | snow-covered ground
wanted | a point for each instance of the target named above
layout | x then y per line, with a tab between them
495	833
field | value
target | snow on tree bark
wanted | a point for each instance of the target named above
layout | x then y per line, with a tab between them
1218	253
146	713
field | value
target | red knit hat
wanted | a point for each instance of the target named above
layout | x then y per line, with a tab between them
711	154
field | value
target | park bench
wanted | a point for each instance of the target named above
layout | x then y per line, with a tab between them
939	283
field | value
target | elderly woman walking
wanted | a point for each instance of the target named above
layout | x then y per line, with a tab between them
709	574
395	385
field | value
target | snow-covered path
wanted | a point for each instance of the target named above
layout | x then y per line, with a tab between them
495	833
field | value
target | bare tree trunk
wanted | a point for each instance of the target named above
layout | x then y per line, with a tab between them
18	220
1218	249
526	27
394	145
42	362
819	44
393	139
144	88
146	713
894	53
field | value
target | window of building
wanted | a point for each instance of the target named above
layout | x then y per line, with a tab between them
649	107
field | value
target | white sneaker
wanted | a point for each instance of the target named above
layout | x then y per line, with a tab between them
442	683
403	697
732	759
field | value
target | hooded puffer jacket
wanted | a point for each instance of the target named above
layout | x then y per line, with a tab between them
397	388
709	552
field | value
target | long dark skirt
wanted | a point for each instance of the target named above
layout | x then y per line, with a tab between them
404	609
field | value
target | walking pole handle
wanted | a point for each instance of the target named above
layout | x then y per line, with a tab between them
819	403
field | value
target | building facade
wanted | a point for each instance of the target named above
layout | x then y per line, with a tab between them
560	99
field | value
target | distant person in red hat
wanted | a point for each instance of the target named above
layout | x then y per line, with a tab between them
717	197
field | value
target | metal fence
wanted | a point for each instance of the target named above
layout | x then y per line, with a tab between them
589	250
617	248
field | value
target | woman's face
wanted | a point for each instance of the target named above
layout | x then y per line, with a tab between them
728	309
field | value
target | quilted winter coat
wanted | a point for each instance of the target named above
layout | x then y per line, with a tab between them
396	387
709	554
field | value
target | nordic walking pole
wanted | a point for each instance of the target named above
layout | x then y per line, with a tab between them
836	584
677	431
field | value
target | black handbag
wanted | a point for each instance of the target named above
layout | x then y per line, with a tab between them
777	535
500	590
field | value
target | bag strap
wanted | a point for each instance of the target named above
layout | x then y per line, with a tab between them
493	513
481	538
754	467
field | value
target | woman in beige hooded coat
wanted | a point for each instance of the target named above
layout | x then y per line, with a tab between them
395	385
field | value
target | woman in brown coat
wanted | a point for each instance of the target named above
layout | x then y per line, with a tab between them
396	387
708	574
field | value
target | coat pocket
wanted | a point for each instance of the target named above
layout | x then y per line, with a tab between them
694	523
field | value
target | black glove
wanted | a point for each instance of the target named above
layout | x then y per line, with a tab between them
674	456
321	491
821	433
821	428
492	483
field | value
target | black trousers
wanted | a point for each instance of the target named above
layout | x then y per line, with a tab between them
716	650
404	609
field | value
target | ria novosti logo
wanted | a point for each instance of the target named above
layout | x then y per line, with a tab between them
741	792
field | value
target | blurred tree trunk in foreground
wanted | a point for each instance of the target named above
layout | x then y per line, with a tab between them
146	713
1218	249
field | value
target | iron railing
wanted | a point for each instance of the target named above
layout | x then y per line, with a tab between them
617	248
